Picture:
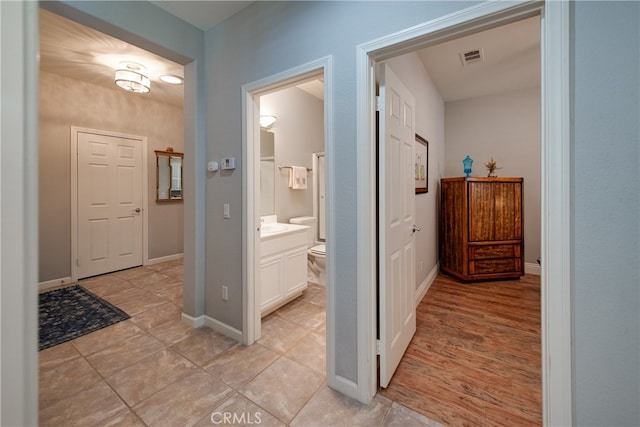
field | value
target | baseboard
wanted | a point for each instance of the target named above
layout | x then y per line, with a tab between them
194	322
426	283
164	259
344	386
223	328
216	325
532	268
54	283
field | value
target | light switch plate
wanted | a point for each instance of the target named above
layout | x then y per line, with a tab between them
228	163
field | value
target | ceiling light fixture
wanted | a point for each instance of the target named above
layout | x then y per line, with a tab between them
267	121
132	77
171	79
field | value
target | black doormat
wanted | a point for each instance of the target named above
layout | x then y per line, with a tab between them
71	312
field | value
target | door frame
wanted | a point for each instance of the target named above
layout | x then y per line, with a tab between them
555	185
251	92
74	192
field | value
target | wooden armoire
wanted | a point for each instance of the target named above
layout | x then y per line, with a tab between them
482	228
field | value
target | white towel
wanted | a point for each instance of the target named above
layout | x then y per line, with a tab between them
298	178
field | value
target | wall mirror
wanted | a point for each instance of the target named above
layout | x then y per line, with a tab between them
267	173
168	176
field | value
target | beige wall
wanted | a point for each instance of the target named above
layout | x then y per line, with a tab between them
507	127
64	103
298	133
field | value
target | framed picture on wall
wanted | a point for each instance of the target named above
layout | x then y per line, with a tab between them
421	152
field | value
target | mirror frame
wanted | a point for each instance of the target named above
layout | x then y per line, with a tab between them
169	154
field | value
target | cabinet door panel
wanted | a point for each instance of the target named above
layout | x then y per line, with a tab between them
481	211
452	227
296	271
508	211
271	273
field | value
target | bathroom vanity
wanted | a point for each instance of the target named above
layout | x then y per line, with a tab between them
283	264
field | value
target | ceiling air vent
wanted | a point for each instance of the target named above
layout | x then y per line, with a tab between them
471	56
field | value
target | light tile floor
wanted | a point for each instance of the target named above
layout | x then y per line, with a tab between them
151	370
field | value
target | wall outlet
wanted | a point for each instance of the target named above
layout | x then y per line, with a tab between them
225	293
226	211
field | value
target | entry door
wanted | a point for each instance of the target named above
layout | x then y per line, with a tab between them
397	311
109	204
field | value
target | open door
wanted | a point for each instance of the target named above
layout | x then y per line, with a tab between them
396	243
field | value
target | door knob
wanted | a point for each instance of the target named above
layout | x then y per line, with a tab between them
415	228
137	210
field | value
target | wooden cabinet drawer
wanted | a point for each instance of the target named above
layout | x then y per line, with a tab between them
490	266
493	251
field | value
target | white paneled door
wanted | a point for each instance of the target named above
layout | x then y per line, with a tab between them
397	310
109	204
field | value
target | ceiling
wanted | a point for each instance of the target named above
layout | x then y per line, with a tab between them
510	54
73	50
202	14
511	60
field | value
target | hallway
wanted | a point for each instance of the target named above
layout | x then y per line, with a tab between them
151	370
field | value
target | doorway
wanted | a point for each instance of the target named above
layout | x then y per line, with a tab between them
84	84
555	190
316	70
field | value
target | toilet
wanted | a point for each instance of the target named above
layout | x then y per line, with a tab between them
316	252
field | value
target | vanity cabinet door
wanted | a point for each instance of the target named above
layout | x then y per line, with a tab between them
271	279
283	270
296	271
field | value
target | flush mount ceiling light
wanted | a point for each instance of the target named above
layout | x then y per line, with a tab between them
171	79
132	77
267	121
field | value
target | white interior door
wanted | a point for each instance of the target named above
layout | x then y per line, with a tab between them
396	222
109	204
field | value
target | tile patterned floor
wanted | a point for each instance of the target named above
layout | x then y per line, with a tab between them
151	370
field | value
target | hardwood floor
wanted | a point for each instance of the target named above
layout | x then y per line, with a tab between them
475	359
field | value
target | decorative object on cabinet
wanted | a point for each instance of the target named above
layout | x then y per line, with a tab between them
482	228
168	175
421	149
492	166
466	164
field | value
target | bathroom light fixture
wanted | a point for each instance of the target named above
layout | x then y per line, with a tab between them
131	77
267	121
171	79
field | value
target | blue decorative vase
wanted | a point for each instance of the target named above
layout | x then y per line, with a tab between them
467	162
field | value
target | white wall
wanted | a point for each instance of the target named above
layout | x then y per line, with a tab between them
430	120
66	102
19	219
298	133
606	212
505	126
